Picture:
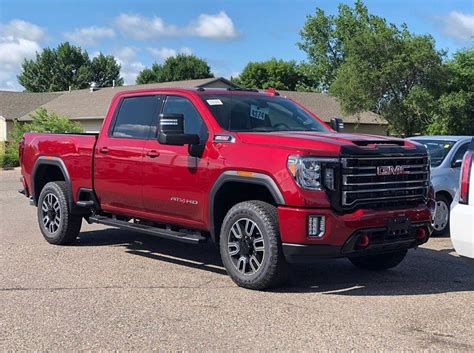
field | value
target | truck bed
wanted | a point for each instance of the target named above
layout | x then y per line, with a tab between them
75	150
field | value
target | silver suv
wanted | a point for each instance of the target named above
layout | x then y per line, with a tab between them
446	154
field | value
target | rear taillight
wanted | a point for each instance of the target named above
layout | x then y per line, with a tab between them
21	147
465	175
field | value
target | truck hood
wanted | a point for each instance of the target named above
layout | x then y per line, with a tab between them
329	142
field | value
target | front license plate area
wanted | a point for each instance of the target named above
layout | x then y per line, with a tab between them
398	227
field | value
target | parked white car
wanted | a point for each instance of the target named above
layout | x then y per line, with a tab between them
462	209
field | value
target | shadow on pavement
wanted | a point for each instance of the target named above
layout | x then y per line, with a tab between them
424	271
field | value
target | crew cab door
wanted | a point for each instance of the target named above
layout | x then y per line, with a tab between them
174	182
119	152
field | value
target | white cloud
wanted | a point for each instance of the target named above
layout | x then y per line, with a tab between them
19	40
142	27
458	25
89	35
186	51
126	53
164	53
219	26
130	66
22	29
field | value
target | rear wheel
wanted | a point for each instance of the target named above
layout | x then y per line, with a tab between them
250	246
379	262
57	224
441	217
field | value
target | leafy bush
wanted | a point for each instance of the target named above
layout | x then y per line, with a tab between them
9	155
42	121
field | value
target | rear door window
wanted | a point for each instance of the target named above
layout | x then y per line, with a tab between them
136	118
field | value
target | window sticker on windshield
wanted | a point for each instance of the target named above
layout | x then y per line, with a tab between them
258	113
214	102
447	146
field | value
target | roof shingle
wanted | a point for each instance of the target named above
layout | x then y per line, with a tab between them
14	105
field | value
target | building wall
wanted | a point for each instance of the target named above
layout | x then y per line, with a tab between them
3	129
92	125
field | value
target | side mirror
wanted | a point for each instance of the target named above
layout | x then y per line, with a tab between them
337	124
457	163
171	131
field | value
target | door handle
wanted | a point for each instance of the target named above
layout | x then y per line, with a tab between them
152	154
104	150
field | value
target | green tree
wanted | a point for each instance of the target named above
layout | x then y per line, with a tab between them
67	66
151	75
176	68
454	110
278	74
105	70
371	65
324	39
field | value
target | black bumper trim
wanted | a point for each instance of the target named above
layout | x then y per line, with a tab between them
301	253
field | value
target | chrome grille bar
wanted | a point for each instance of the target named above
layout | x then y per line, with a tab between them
410	185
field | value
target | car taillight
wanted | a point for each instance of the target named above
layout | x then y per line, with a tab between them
21	147
465	175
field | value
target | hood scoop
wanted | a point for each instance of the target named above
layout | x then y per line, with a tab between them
378	143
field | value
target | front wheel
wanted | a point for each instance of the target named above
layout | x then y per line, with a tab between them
379	262
250	246
56	222
441	217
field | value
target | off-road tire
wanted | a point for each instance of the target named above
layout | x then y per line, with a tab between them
379	262
69	224
273	270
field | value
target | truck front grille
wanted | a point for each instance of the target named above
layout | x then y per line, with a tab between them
384	181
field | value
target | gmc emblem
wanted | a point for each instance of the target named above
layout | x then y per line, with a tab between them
391	170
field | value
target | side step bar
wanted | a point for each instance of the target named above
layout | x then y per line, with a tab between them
143	228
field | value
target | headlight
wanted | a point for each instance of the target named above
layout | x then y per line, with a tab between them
309	172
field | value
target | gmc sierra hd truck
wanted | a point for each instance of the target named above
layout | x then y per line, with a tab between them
252	171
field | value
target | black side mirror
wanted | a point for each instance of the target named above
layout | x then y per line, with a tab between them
337	124
171	131
456	164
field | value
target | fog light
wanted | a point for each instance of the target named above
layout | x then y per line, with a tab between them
316	226
420	233
362	241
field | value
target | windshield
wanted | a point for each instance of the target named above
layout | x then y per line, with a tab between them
437	149
259	113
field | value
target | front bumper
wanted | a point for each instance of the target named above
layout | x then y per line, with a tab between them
343	232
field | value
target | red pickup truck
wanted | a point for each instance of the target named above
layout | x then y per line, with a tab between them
252	171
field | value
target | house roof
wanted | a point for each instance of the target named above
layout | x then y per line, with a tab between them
84	105
327	107
14	105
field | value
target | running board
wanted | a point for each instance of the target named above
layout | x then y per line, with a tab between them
143	228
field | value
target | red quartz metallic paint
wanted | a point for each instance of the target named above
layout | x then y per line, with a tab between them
127	181
339	227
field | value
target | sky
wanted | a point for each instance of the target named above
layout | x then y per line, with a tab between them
227	34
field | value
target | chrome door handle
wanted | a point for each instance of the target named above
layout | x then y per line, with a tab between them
152	154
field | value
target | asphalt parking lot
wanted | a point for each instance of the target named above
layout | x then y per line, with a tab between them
121	290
